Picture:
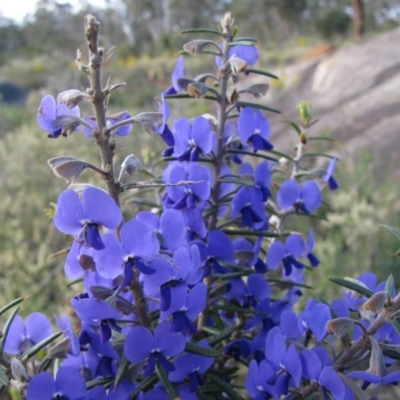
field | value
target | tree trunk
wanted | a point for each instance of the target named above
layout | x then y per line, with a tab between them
358	7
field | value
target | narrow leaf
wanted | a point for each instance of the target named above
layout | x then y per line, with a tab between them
294	126
3	378
395	232
261	72
218	338
213	31
169	387
98	382
249	153
389	286
321	138
240	310
396	325
241	43
122	369
283	155
246	39
203	351
238	181
186	96
145	384
319	155
255	233
11	305
39	346
226	387
351	285
7	328
256	105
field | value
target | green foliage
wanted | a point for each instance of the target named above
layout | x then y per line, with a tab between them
334	22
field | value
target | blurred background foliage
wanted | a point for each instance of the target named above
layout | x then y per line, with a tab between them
39	56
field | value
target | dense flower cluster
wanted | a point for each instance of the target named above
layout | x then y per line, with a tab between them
176	298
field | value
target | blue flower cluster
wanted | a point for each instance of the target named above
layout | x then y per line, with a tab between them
176	299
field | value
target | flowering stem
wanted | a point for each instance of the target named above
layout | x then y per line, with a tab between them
222	104
102	136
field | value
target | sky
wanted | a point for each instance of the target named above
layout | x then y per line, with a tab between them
18	9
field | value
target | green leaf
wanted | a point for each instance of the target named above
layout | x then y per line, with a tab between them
169	387
249	153
255	233
396	325
255	105
146	383
3	377
39	346
391	353
240	310
226	388
11	305
203	351
200	30
7	328
225	334
122	369
389	286
279	154
261	72
321	138
205	51
319	155
98	382
351	285
241	42
289	283
239	181
72	283
233	275
295	127
246	39
186	96
395	232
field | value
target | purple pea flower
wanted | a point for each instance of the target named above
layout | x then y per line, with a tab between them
287	253
286	361
138	246
170	228
180	197
65	325
84	216
247	53
58	119
123	130
193	367
328	176
178	73
313	320
254	129
69	385
163	129
22	336
141	343
98	314
314	369
247	253
192	139
310	247
306	197
256	381
79	260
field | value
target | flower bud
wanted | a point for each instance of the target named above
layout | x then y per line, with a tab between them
304	110
339	326
18	370
377	302
130	166
71	97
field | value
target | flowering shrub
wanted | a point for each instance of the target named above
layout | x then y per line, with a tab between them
186	297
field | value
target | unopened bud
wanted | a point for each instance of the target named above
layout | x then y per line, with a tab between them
303	138
66	167
130	166
339	326
376	302
237	65
232	95
60	350
197	46
18	370
227	23
68	123
71	97
376	362
197	90
304	110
